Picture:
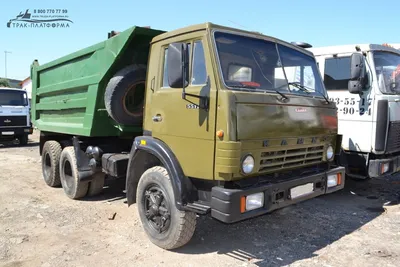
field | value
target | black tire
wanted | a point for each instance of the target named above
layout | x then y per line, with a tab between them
128	84
96	185
73	188
51	163
179	226
23	140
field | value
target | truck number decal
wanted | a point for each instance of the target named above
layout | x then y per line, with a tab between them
192	106
352	106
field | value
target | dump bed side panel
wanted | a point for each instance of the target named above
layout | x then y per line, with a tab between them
68	93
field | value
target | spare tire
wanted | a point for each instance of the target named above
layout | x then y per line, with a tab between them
124	95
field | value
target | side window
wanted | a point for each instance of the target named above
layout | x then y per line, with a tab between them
165	73
165	67
337	73
199	72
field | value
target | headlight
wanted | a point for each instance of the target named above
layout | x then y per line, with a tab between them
248	164
385	167
254	201
329	153
334	180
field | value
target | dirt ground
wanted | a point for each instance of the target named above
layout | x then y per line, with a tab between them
40	226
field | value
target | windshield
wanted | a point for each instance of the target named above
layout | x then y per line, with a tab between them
258	64
12	98
387	67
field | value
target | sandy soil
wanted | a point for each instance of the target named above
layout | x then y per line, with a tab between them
40	226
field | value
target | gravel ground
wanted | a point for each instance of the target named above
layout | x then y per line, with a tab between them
40	226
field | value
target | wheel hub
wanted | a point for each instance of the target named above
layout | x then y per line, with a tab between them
157	209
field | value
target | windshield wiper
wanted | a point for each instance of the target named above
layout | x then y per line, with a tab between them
282	95
244	86
304	89
255	88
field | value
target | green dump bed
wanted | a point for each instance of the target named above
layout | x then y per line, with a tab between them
68	93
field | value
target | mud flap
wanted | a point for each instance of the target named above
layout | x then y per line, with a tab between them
85	172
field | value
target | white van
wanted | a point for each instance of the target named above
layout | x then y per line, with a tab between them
15	120
364	82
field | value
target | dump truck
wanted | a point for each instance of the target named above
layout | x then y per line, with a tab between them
364	82
198	121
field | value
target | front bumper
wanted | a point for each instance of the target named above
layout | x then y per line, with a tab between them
11	133
375	166
226	203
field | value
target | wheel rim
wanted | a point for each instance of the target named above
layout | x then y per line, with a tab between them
133	99
157	208
47	165
69	180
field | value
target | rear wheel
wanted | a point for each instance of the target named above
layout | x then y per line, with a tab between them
71	184
165	225
50	163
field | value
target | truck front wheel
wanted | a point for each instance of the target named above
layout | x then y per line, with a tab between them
23	139
71	184
165	225
50	163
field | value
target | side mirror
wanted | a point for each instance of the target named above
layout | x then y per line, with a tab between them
357	74
177	62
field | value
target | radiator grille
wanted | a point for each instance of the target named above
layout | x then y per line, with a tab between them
296	157
12	121
393	141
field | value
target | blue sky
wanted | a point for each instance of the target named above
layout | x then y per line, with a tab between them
317	22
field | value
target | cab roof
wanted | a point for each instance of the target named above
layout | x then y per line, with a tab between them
210	25
13	89
341	49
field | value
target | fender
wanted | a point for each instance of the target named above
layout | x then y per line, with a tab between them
180	183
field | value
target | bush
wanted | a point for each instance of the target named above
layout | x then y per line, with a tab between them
4	83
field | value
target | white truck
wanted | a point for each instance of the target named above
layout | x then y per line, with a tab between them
15	120
364	82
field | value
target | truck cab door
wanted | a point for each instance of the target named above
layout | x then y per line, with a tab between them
355	112
187	129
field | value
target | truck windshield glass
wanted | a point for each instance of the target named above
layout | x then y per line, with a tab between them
12	98
257	64
387	67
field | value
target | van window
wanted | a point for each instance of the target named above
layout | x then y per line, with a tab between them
337	73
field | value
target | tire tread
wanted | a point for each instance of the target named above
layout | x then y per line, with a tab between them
55	152
82	187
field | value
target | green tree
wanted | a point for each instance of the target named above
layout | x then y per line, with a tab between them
4	83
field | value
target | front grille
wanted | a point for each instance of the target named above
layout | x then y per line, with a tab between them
296	157
393	141
12	121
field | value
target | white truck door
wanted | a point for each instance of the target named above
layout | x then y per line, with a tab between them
354	111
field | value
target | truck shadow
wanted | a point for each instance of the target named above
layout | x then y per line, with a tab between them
296	232
113	191
31	143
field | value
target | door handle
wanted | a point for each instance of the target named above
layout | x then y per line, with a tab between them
157	118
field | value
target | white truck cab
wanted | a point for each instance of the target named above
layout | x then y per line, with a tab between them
15	120
364	82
